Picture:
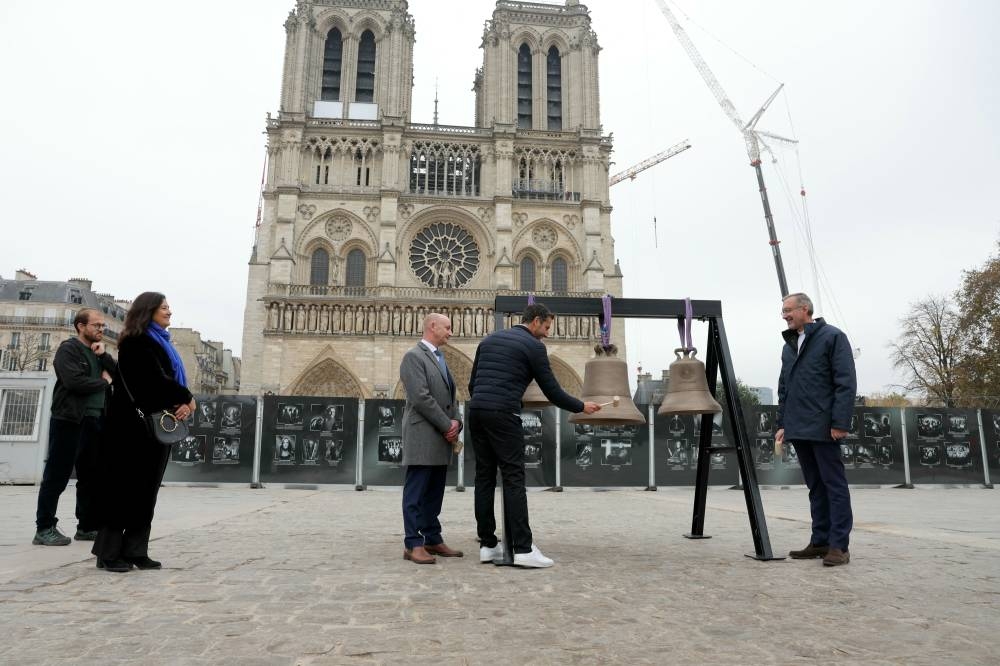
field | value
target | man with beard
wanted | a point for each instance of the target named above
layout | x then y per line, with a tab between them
83	377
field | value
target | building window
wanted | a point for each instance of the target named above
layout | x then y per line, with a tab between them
20	413
444	169
524	87
355	269
554	88
319	268
43	363
332	55
43	344
364	91
15	340
527	274
560	279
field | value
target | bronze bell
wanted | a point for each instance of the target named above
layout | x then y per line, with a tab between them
534	398
605	381
688	389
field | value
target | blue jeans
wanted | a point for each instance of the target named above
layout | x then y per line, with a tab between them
70	445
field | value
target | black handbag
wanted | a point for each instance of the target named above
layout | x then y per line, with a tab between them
162	426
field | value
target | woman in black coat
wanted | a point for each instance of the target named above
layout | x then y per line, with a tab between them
151	374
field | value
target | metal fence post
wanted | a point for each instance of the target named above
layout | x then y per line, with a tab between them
358	474
907	483
258	437
652	457
982	449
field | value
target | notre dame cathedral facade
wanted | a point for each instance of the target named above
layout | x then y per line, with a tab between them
370	221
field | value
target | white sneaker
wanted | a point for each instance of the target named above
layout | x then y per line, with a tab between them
487	555
534	559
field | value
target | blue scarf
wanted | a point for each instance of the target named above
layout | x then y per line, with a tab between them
162	337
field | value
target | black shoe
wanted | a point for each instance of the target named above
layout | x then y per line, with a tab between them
810	552
143	562
118	566
85	535
50	536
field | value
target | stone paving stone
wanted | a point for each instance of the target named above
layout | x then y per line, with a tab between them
317	577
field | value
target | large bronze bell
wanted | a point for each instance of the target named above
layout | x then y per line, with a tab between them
534	398
605	381
688	391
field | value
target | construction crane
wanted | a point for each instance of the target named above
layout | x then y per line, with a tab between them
636	169
753	137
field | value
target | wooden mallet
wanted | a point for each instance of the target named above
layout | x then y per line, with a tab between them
614	401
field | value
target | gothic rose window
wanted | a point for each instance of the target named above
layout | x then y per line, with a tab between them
444	255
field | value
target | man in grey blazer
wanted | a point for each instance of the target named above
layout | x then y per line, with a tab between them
430	427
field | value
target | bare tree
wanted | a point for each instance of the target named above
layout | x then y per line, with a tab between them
26	354
928	349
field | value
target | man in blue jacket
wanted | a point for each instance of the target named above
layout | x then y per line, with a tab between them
815	402
506	362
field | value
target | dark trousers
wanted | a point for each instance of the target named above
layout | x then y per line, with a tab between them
829	497
130	500
70	445
498	440
423	493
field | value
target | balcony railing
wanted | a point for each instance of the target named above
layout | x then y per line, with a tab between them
406	293
12	320
534	188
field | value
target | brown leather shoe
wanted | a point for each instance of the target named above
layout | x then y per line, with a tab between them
810	552
443	550
418	555
835	557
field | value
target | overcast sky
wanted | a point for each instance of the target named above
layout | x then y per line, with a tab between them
133	150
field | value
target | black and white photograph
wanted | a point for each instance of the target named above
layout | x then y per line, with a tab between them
190	450
718	460
765	451
877	425
675	425
847	453
230	452
387	418
852	431
310	451
284	449
996	425
390	450
533	452
531	424
326	418
218	447
232	416
930	454
958	454
584	454
677	453
765	425
864	453
616	453
290	416
929	425
205	417
789	456
885	456
333	451
958	424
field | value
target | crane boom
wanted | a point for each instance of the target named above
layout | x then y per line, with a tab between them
747	130
636	169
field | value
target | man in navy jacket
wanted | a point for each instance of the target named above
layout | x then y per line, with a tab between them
815	402
506	362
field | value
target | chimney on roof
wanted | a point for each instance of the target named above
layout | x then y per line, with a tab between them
25	274
83	283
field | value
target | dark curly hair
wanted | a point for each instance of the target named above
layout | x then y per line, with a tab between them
141	313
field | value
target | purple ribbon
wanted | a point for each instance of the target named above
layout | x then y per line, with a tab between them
684	325
606	322
531	299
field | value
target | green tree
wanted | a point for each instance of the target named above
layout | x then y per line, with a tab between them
979	304
748	397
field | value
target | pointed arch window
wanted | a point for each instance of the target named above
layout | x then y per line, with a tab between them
553	67
319	268
364	90
355	269
527	274
332	60
560	277
524	87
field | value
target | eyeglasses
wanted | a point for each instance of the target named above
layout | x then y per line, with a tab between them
791	310
99	327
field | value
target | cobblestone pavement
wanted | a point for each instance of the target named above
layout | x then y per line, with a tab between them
279	576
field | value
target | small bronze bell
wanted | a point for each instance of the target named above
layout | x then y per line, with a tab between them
688	389
605	381
534	398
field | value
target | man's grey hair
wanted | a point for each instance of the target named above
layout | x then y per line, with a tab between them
801	299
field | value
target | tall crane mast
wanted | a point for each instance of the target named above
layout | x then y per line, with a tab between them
636	169
751	136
